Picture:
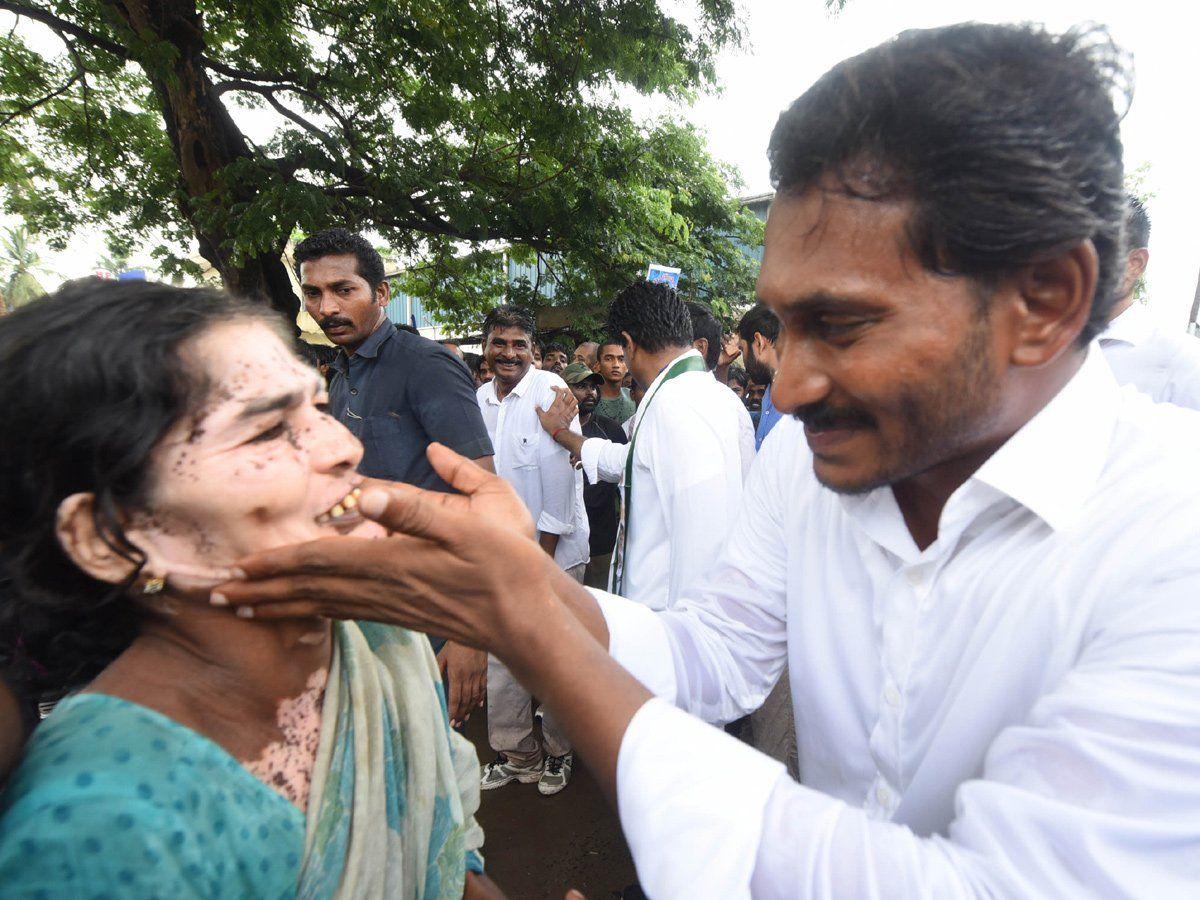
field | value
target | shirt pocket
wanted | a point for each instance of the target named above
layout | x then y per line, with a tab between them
525	451
387	446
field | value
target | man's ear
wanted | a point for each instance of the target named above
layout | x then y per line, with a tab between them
1052	304
1135	268
630	347
81	540
383	293
701	344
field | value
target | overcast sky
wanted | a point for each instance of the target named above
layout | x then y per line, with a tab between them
792	42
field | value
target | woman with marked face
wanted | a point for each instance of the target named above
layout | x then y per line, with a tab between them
154	435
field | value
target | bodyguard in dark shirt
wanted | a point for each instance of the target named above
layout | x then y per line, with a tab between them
397	392
602	500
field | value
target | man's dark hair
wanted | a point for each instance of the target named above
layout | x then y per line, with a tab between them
740	375
705	325
554	345
1137	224
94	376
509	317
339	242
652	314
607	342
758	320
1004	137
472	361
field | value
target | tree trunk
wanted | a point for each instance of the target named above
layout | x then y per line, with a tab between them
205	140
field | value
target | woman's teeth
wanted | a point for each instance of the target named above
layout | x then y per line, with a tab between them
342	507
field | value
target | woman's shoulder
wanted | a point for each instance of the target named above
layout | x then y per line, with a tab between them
112	791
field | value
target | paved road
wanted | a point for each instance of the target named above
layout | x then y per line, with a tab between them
537	847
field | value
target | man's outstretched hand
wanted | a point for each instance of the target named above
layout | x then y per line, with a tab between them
463	566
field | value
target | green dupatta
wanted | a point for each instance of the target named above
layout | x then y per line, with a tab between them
395	789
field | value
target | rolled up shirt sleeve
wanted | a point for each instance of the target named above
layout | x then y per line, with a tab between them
603	460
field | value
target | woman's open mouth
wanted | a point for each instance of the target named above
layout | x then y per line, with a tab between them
344	514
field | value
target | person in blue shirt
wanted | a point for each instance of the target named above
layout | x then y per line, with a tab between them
397	392
757	333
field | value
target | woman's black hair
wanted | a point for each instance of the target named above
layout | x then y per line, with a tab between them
93	379
1004	137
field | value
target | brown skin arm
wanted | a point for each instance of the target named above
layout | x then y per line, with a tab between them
466	567
12	732
557	420
465	671
480	887
548	542
464	668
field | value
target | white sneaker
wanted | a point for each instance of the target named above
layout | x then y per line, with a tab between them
556	773
500	772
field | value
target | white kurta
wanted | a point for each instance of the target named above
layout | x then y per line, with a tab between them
1014	711
693	447
535	465
1161	363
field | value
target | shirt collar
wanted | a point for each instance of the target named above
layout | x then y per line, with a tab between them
370	347
521	387
667	368
1051	465
1133	326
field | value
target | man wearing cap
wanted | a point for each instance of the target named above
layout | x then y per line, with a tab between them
601	498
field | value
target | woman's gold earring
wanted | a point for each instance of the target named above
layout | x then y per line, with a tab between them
154	585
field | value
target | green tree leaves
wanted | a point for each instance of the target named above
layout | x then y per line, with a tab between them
456	130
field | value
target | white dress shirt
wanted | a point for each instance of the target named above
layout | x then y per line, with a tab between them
1014	711
692	450
1161	363
538	468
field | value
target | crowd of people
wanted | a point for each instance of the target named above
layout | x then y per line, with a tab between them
918	528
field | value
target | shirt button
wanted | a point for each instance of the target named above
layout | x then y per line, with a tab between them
354	391
892	696
913	575
883	795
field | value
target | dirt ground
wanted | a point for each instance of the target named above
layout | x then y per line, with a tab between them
537	847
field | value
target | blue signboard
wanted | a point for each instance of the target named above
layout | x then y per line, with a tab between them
657	274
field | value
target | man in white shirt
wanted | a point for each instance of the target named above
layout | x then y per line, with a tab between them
691	442
542	475
1161	363
990	699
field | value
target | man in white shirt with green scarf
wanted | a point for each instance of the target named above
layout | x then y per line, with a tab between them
681	474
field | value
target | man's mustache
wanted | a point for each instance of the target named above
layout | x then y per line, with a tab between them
334	322
822	416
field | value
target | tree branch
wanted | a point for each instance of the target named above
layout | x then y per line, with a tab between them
48	18
30	107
